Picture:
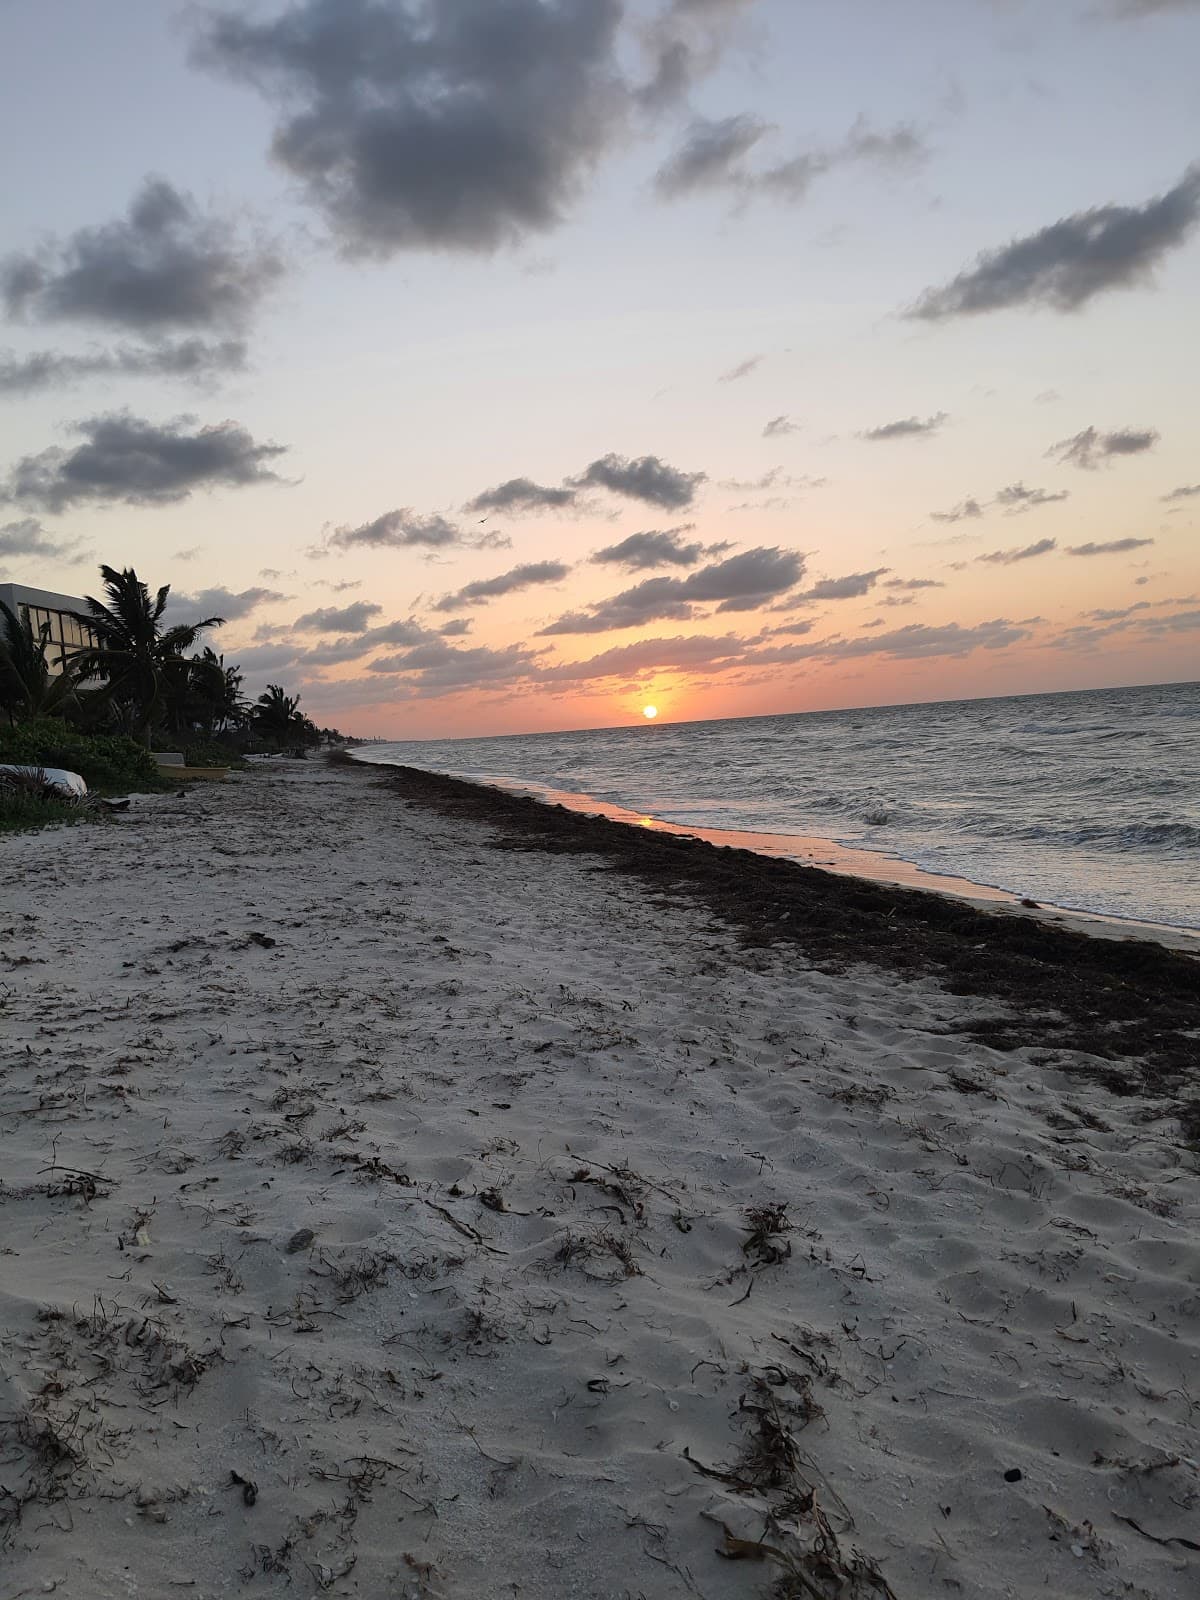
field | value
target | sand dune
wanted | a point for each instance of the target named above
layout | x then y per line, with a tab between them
389	1214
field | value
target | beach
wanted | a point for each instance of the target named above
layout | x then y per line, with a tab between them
411	1190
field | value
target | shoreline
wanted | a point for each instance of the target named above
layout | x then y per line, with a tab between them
411	1189
875	866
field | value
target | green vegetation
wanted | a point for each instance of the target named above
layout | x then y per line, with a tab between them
110	763
22	810
138	685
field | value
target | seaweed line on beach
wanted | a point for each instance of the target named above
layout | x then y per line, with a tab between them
1132	1006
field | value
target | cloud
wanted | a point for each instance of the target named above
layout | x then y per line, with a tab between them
1073	260
915	642
685	651
850	587
1185	491
648	479
741	583
742	370
1150	8
194	359
1112	548
966	510
714	155
522	577
462	126
437	668
126	460
686	42
224	603
522	494
907	428
457	627
339	619
913	583
710	156
1089	448
163	267
779	426
1008	558
654	548
1016	498
28	537
401	529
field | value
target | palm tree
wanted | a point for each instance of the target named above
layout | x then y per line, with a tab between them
203	694
28	688
133	652
276	712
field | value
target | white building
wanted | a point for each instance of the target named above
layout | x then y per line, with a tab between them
46	609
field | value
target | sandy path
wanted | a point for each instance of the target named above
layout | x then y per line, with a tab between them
620	1232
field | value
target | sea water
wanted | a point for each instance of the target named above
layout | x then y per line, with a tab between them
1088	800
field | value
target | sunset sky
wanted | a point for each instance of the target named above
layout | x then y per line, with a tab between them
496	365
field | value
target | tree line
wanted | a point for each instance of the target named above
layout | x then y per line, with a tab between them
141	676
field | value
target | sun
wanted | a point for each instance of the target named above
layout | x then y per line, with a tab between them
649	712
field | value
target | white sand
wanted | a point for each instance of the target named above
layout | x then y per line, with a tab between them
986	1265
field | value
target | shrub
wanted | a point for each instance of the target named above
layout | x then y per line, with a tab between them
109	762
26	805
212	753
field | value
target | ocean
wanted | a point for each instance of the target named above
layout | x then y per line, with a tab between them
1088	800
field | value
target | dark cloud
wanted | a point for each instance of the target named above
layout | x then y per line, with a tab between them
710	156
353	618
228	603
461	126
1007	558
965	511
648	479
194	359
457	627
746	581
1113	547
28	537
1070	262
1015	497
742	370
522	494
779	426
163	267
485	589
715	151
437	668
655	548
794	629
1185	491
397	530
907	428
1090	448
850	587
913	583
405	632
740	583
126	460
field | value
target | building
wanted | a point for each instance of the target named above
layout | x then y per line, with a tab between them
53	611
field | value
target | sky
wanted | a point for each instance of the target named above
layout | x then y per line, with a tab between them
503	365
